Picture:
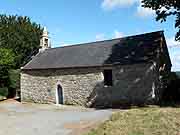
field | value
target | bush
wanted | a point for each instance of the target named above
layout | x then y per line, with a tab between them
14	83
4	92
14	79
171	93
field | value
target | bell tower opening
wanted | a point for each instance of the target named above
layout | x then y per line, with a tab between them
45	41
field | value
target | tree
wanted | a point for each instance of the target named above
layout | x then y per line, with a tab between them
20	35
19	40
6	57
6	62
164	9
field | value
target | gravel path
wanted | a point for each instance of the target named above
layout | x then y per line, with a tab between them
29	119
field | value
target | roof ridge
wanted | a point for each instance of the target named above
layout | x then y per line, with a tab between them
79	44
100	53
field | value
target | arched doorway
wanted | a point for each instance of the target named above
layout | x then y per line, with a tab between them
59	94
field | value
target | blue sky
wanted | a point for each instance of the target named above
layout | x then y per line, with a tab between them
78	21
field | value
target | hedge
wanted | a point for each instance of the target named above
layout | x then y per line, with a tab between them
4	92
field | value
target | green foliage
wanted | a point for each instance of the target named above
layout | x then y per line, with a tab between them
6	62
6	57
19	40
4	78
178	75
164	9
4	92
14	79
13	82
20	35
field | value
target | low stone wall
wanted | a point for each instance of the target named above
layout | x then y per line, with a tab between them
131	84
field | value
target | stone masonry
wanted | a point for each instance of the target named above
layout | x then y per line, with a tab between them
135	84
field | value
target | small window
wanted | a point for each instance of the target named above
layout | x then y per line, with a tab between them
108	78
46	41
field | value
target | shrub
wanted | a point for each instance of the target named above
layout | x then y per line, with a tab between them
14	78
4	92
14	83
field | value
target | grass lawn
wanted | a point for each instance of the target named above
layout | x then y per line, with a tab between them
142	121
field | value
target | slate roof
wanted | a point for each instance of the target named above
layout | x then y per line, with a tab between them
127	50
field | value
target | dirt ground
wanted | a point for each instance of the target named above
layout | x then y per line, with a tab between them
27	119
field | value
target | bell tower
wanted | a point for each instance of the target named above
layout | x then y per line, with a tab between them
45	41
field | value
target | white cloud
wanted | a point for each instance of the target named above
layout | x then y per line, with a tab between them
171	42
118	34
144	12
140	11
174	51
175	59
112	4
100	37
64	44
19	9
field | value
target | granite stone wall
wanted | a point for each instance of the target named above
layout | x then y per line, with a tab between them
133	84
